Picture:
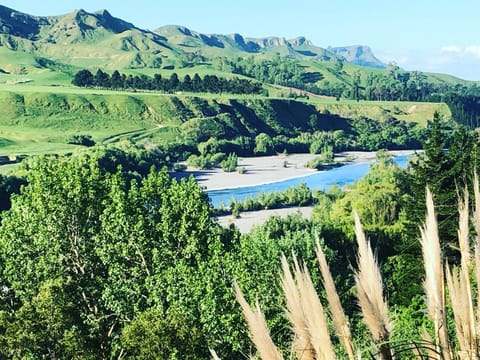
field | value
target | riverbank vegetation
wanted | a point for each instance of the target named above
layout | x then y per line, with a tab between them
104	255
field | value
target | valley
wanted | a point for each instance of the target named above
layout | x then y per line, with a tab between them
115	141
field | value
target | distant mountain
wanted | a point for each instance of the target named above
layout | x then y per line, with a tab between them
101	39
358	55
225	45
82	39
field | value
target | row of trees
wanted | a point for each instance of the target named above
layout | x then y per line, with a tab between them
393	85
365	135
209	83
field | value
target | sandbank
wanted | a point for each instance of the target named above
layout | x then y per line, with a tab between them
249	219
268	169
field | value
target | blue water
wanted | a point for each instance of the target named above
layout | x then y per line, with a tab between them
340	176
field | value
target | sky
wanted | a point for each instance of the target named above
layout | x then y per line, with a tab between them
427	35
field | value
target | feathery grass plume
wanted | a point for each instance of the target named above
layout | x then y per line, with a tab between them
463	230
476	214
470	332
458	289
214	354
340	322
315	315
370	293
434	278
258	328
476	223
295	314
430	350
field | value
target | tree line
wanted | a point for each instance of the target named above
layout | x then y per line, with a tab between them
394	84
209	83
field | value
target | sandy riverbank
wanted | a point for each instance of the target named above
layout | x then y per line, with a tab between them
267	169
249	219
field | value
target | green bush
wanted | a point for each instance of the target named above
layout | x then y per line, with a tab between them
179	167
230	163
205	162
84	140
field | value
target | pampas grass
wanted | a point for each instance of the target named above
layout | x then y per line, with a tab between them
258	328
434	278
307	316
370	293
301	343
313	312
340	322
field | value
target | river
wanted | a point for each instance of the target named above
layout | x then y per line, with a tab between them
322	180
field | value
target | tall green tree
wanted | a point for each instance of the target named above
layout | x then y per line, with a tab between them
446	166
87	254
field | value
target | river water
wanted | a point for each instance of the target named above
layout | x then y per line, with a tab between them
322	180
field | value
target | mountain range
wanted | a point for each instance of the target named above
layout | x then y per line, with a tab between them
83	39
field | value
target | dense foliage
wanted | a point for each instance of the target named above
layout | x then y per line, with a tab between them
209	83
104	256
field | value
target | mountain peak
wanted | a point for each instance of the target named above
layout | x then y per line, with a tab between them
359	55
299	41
16	23
103	12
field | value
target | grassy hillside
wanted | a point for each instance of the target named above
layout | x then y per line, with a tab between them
39	119
40	109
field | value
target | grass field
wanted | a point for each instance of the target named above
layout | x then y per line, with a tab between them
39	116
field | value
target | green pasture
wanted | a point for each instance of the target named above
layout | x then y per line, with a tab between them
39	119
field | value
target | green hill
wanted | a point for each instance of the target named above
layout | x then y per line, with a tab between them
40	109
99	40
34	121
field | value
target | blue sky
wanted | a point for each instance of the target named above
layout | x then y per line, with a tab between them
427	35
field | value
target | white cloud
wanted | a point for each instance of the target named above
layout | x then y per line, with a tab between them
460	61
451	49
467	51
473	50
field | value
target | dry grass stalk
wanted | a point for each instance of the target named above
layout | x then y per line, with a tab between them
458	290
258	328
470	326
214	354
370	293
434	279
463	231
340	322
476	214
295	314
315	315
476	223
430	352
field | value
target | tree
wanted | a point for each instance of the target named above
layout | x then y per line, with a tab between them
187	83
446	173
173	83
356	85
117	81
83	78
197	84
86	253
263	144
102	79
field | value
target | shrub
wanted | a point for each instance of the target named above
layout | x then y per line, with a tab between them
84	140
179	167
230	163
